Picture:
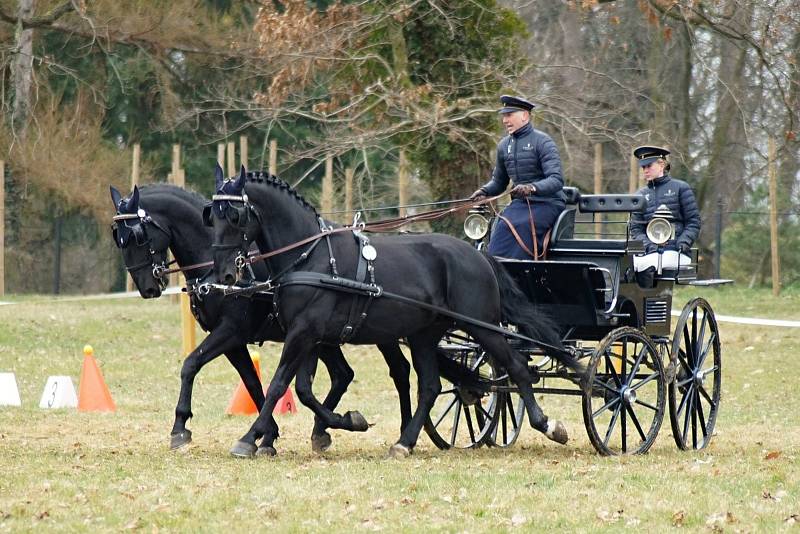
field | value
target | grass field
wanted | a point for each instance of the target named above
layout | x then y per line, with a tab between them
63	470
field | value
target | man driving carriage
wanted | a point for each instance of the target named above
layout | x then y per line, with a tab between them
529	159
663	191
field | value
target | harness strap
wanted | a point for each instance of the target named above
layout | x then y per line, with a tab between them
325	281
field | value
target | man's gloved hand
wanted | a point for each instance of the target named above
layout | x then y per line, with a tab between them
684	248
480	194
523	190
649	248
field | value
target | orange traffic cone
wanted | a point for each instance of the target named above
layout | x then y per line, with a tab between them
93	394
286	403
241	403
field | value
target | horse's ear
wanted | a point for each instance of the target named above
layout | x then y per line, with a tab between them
133	203
219	177
116	196
239	184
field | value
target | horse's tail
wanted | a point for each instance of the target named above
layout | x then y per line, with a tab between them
530	319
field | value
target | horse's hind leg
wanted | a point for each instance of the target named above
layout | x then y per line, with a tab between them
399	370
496	345
423	355
212	346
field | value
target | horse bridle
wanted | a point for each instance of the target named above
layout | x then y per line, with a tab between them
242	219
142	238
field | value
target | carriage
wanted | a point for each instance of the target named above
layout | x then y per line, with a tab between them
639	366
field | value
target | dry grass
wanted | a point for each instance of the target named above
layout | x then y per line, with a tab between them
64	470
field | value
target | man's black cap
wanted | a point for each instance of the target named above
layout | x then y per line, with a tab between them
514	103
648	154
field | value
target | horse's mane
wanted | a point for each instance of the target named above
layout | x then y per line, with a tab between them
274	181
192	197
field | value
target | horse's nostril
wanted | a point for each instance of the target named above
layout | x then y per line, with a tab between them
150	293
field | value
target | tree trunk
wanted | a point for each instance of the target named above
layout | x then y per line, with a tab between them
22	72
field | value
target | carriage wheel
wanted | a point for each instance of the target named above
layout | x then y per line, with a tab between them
465	412
624	406
511	413
696	355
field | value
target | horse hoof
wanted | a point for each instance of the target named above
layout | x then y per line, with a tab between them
180	439
357	421
399	451
266	450
242	449
557	432
321	442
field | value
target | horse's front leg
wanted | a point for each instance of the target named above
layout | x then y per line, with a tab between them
298	345
399	371
217	342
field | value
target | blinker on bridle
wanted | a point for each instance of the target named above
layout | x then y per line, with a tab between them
139	232
242	218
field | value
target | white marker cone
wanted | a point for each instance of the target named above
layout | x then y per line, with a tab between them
9	393
59	392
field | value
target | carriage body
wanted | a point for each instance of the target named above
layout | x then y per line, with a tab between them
588	285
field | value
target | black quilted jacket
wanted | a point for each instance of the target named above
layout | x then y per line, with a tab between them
679	198
528	156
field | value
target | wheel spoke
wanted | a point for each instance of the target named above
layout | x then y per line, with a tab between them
694	419
644	381
444	414
478	362
688	414
454	431
636	365
624	428
604	385
705	394
612	424
646	405
504	418
699	340
702	418
480	411
611	370
701	360
470	426
684	399
636	422
606	406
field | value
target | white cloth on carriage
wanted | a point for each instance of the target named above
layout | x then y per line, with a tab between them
670	259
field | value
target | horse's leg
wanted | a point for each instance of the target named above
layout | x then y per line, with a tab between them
496	345
341	375
399	370
217	342
423	355
298	345
243	363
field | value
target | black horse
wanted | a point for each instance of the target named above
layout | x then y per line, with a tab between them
162	217
435	270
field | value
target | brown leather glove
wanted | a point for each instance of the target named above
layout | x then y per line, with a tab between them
480	194
523	190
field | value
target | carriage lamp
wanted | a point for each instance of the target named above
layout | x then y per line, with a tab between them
476	226
660	229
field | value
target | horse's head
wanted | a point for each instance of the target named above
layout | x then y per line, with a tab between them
235	222
143	243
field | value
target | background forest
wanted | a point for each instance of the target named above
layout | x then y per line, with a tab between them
83	80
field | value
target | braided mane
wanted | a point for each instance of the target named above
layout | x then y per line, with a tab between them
274	181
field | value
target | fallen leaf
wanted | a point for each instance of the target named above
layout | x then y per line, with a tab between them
608	517
407	500
792	519
678	518
772	455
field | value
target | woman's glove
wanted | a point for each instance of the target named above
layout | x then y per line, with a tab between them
480	194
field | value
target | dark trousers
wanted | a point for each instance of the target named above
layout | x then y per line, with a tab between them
502	242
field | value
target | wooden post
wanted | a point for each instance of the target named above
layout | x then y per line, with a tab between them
273	157
348	195
221	155
175	178
327	187
402	183
135	165
2	228
231	160
633	178
243	151
773	218
598	185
